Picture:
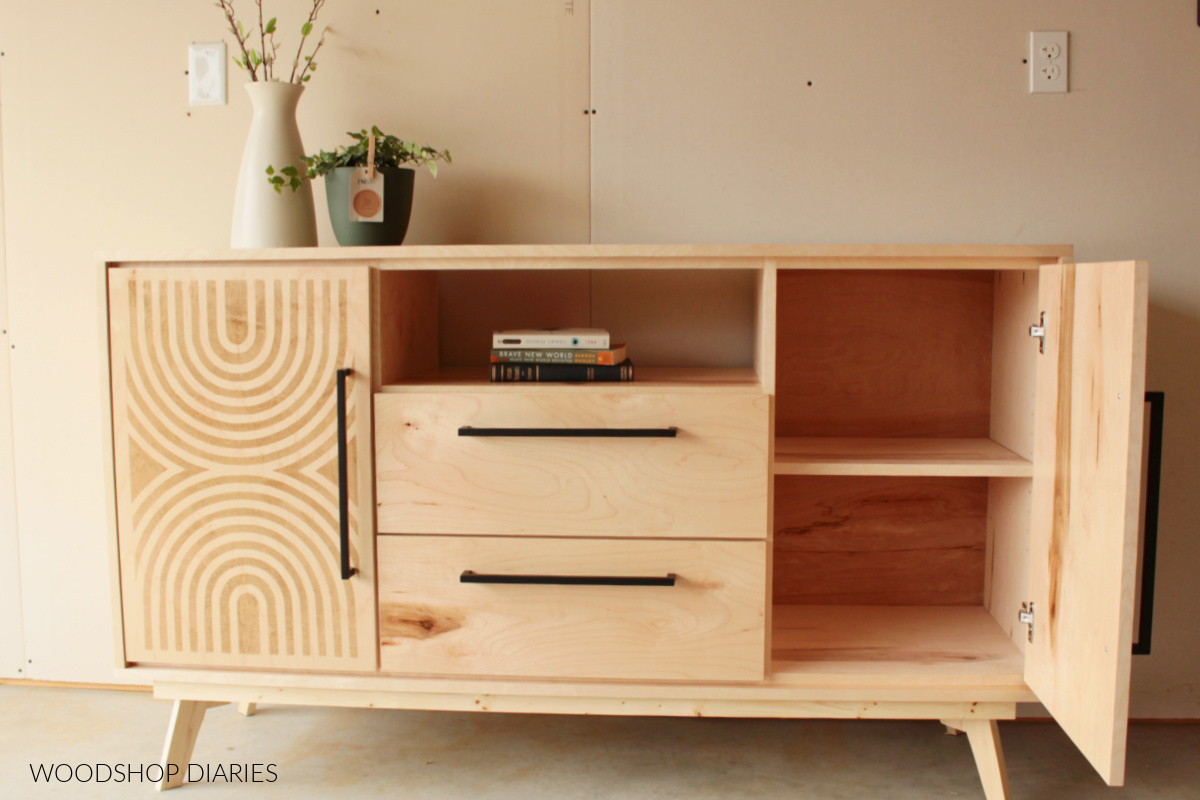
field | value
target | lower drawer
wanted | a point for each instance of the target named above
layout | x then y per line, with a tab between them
573	608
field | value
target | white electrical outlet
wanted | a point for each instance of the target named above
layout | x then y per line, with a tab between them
1047	61
206	74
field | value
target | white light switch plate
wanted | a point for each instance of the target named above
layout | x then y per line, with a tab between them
1047	61
206	74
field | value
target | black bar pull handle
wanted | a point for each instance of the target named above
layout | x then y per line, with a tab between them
343	476
470	576
1157	401
580	433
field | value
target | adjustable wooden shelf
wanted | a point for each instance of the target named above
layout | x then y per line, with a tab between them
899	482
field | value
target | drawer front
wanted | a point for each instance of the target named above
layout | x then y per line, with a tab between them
708	626
709	480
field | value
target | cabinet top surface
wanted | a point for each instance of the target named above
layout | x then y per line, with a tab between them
549	256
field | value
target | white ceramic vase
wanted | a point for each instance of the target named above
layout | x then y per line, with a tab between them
261	216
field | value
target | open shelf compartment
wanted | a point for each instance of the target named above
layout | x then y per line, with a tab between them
905	406
685	329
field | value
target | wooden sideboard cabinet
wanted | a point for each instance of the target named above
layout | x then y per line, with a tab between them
849	482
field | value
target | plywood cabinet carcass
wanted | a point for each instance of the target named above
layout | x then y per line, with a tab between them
873	482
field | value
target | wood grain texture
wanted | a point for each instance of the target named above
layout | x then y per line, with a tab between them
672	318
224	407
934	457
765	322
708	626
408	324
186	718
879	541
108	464
1007	572
679	318
474	304
1015	361
1079	661
934	255
586	699
708	481
875	353
953	644
805	681
1049	490
984	735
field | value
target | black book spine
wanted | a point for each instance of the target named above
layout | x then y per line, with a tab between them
547	373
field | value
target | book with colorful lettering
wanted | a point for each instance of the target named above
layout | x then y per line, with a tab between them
515	355
546	373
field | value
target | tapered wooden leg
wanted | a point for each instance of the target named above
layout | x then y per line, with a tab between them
247	709
984	736
186	718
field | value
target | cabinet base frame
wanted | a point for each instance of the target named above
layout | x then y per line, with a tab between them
977	720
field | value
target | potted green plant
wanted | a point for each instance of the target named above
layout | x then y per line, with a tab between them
395	160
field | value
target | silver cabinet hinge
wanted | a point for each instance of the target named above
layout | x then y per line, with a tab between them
1039	332
1025	615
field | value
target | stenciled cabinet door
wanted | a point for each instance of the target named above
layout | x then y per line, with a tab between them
1087	478
243	480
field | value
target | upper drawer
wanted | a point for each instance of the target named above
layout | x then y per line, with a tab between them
709	480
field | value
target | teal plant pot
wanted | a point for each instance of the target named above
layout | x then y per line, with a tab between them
397	208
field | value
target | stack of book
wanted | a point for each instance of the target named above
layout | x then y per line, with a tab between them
558	354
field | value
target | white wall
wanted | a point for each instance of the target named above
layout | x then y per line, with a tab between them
101	152
919	127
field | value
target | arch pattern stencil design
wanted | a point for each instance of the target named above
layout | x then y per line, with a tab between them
225	437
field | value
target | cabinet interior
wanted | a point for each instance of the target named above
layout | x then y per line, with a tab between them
903	422
904	426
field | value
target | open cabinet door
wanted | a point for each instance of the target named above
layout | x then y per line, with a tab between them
1087	459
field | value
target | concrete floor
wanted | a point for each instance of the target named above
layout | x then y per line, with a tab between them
365	753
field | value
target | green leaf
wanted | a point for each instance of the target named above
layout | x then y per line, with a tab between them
241	29
307	29
271	25
289	170
270	170
389	152
255	58
295	183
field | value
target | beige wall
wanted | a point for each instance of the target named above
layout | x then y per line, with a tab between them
919	127
12	636
101	152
